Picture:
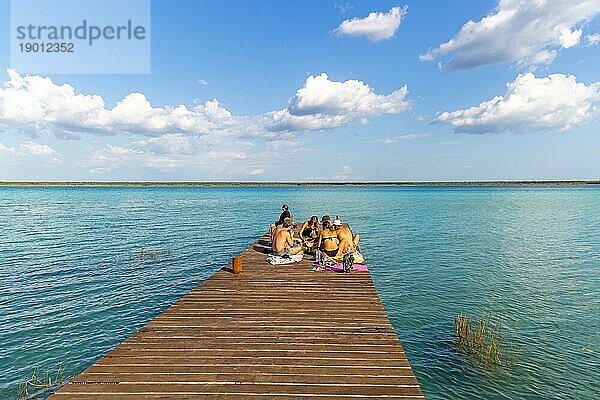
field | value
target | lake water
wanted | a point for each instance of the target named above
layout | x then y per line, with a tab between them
74	283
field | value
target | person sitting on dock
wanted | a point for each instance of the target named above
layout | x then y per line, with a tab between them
348	242
325	218
277	228
309	229
328	241
285	213
283	240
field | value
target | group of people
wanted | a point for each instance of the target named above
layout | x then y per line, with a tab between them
331	238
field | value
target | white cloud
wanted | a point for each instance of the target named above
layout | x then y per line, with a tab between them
346	174
448	143
202	82
531	104
37	105
171	143
168	152
161	162
112	157
43	154
29	149
529	33
297	150
344	8
112	154
282	145
400	138
593	39
282	120
325	104
375	27
256	171
226	155
36	149
99	170
135	114
9	152
323	96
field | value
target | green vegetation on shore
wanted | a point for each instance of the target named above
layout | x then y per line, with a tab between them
233	184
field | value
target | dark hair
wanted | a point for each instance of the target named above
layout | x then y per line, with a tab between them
284	207
314	219
326	224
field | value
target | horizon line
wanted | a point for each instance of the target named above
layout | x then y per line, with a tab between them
305	183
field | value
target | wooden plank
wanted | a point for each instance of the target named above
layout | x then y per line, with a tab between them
232	388
168	370
248	377
270	332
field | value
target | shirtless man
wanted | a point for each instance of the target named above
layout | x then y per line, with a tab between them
285	213
348	243
283	240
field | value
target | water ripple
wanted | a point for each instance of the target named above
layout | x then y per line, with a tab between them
74	281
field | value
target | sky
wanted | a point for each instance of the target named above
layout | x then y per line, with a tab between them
322	91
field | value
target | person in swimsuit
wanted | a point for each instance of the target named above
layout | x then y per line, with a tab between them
328	241
283	240
275	229
348	242
310	229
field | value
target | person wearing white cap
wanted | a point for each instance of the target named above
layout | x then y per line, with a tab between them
348	242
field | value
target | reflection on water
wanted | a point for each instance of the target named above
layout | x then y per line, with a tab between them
73	284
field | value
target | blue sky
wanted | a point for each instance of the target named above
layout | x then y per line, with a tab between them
512	95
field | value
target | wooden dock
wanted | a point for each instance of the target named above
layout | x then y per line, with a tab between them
270	332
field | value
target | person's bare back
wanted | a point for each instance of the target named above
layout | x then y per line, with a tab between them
344	232
348	242
283	242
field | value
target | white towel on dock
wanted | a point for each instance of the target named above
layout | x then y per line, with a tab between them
277	260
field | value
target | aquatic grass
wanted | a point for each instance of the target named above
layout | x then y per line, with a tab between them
42	380
483	340
153	253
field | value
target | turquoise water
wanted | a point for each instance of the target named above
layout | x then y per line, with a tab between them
73	283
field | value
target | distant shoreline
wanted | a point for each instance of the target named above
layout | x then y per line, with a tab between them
234	184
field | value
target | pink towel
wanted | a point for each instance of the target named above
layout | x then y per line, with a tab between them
340	267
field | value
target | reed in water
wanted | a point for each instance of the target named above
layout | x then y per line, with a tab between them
483	340
41	380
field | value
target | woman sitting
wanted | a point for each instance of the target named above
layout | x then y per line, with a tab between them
308	233
309	229
328	241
